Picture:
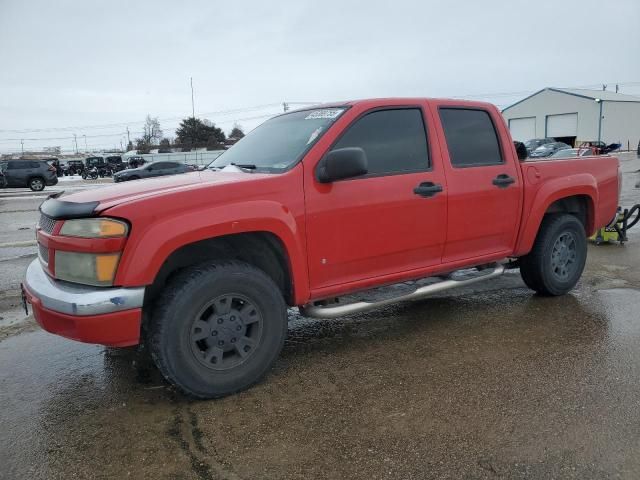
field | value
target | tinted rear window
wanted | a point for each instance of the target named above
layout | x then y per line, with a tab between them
471	137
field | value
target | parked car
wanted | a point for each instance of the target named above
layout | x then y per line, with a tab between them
115	162
102	166
35	174
73	167
91	162
537	142
136	161
599	147
548	149
573	152
307	209
156	169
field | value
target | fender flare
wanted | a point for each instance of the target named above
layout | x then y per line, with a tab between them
145	252
583	184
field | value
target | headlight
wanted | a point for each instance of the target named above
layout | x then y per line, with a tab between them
94	228
87	268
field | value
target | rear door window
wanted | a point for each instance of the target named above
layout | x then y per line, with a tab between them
471	137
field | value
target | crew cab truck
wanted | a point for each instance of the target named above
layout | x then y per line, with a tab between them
309	207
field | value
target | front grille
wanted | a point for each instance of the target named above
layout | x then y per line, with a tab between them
46	223
44	253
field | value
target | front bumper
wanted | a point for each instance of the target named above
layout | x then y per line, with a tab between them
108	316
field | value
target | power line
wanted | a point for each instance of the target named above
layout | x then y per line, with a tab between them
125	124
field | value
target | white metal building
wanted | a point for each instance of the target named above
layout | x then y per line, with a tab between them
574	115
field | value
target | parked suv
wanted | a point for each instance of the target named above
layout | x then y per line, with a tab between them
35	174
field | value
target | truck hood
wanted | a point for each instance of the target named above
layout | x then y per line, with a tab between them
120	193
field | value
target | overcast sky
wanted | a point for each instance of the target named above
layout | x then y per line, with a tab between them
87	64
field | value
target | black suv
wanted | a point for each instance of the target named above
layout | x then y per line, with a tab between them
35	174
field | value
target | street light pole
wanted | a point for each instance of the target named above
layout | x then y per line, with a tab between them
22	146
193	108
599	101
86	149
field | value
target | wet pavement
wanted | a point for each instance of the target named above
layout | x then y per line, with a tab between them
487	382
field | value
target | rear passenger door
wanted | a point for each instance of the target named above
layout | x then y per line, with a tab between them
157	169
173	168
484	189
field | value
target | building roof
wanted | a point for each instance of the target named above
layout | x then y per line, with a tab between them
603	95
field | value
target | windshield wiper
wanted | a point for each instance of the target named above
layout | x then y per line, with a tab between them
245	166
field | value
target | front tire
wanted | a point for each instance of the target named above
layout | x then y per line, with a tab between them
557	259
217	329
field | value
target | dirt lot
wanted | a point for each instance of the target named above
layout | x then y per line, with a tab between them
489	382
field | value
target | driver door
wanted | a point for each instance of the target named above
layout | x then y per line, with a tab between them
378	224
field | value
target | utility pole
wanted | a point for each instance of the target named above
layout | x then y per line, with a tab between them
193	108
22	146
128	139
86	149
285	106
604	87
75	140
617	87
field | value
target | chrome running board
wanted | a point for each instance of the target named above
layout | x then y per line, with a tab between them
320	311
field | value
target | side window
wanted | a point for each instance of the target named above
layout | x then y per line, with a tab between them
34	164
394	141
13	165
471	137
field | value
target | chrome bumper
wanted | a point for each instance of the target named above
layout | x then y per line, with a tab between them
81	300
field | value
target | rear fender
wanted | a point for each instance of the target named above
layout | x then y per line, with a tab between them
583	184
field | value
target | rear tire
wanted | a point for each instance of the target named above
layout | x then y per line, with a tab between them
217	329
557	259
36	184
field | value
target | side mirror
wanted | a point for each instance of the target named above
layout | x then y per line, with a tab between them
521	150
342	163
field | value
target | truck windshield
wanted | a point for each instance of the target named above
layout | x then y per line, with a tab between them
279	143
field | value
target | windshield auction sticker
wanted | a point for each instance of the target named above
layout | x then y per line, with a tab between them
324	113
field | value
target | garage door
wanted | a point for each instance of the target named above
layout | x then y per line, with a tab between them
565	125
522	129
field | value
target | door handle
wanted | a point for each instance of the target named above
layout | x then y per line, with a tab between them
503	180
427	189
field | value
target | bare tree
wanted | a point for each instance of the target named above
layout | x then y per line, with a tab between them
152	131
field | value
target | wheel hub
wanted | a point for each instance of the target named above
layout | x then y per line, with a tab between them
226	332
563	256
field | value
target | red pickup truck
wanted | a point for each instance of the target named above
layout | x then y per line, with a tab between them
309	207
